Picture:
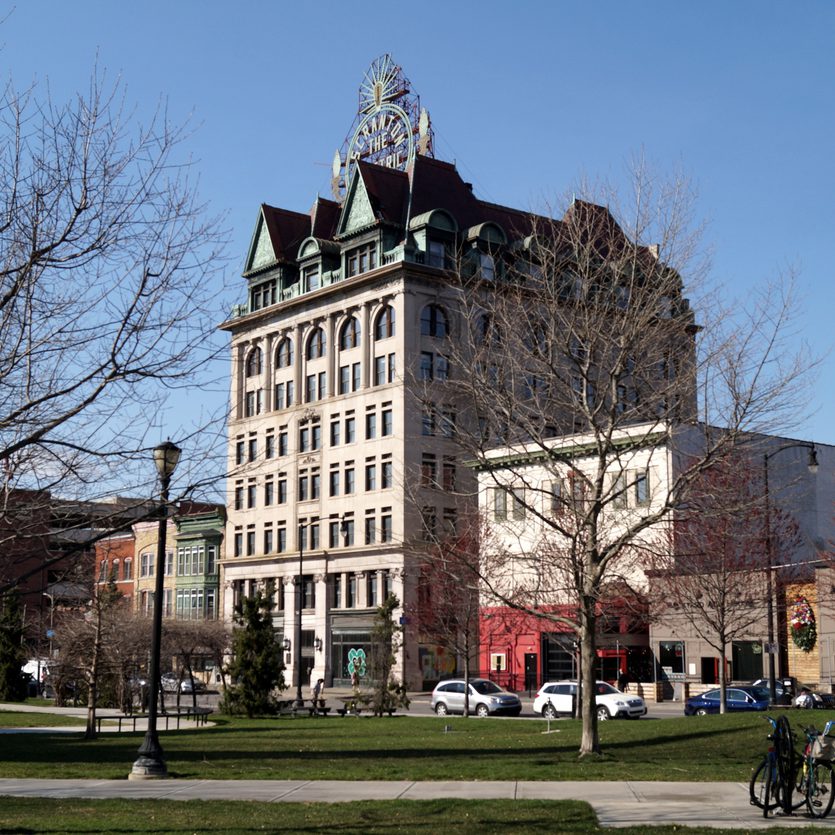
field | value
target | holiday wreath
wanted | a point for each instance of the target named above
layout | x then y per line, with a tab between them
802	624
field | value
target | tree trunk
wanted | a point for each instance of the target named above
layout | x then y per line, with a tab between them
93	677
589	741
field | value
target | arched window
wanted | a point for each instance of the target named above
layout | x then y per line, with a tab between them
317	344
349	336
284	354
433	321
253	363
384	327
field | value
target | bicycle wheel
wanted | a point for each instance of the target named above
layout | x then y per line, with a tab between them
786	758
799	782
764	788
820	788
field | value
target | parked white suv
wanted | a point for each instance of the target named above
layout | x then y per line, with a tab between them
556	697
485	698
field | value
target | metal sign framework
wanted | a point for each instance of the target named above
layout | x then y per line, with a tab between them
390	126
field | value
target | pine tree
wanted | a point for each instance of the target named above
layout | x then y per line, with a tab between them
12	655
256	669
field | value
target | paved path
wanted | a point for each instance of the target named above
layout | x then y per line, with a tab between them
616	803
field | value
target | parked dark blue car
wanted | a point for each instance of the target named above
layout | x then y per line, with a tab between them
739	698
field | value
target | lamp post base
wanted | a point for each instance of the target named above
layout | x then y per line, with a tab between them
150	764
148	768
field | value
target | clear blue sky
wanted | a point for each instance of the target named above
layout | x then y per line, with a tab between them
526	97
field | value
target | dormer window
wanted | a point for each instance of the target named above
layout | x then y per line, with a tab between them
361	259
262	295
310	278
487	266
436	256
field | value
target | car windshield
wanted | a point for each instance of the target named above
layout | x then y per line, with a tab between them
485	687
603	689
760	693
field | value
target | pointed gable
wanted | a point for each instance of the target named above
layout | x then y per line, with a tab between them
276	239
376	194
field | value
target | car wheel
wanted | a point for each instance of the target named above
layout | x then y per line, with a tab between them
702	711
603	713
441	709
482	710
549	712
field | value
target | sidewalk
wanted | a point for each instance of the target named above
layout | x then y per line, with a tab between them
616	803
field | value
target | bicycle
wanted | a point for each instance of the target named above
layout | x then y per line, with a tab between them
772	782
815	776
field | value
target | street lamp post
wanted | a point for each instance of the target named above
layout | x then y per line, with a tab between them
150	763
769	552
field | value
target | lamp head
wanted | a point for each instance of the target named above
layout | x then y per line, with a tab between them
166	458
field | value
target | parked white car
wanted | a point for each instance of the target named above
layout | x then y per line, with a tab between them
556	697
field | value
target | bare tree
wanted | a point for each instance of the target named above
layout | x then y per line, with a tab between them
191	641
718	578
586	389
446	612
108	279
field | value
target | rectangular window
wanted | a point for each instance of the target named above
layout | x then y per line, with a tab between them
253	449
642	488
379	371
351	602
386	475
290	390
361	259
450	521
428	471
311	278
304	439
322	385
281	540
392	368
310	388
370	530
387	426
239	543
283	445
316	436
334	539
371	590
427	365
337	591
308	592
428	422
127	569
282	490
250	541
388	586
239	452
333	483
499	504
448	482
344	379
348	531
447	422
619	492
370	426
269	492
335	426
350	430
211	559
385	525
303	488
355	376
315	485
249	410
268	540
555	497
350	485
519	508
314	536
239	495
269	448
250	495
441	368
370	477
279	396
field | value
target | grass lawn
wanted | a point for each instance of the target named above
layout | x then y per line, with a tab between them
19	719
410	748
199	816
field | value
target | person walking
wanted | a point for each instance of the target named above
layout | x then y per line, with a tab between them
623	680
